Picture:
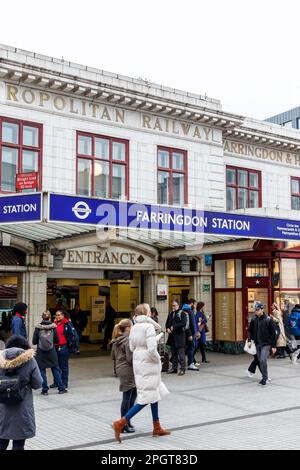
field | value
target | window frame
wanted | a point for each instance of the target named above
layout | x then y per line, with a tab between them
170	170
295	178
249	188
110	161
20	148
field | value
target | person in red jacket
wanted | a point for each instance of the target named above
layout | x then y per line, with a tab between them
63	328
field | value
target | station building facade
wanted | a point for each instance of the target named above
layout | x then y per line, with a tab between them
90	133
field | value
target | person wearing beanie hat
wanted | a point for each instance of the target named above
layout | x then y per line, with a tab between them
18	325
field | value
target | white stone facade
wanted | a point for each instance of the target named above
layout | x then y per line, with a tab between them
66	98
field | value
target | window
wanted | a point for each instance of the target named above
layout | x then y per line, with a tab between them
102	166
295	193
243	188
172	176
20	151
288	124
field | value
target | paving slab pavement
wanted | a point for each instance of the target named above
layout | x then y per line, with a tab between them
218	407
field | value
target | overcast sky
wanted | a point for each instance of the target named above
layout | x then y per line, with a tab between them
244	52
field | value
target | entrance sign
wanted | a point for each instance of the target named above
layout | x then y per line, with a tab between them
104	212
21	208
26	181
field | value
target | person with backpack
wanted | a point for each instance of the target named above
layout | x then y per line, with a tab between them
294	330
262	332
18	325
19	375
122	357
45	336
192	333
67	343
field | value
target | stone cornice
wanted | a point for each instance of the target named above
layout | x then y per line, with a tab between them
62	83
262	138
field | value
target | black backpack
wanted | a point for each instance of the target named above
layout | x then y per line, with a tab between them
46	339
11	390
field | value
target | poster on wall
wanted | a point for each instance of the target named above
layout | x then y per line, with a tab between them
162	291
98	308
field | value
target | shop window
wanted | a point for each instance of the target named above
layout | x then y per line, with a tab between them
20	151
295	193
102	166
290	273
225	274
172	176
257	270
243	188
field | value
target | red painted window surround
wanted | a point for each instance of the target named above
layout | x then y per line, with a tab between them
111	161
171	170
20	147
248	187
295	195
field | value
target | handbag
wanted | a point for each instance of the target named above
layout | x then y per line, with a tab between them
250	347
206	328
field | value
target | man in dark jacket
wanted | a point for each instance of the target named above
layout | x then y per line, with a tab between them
262	332
175	326
108	323
18	325
46	356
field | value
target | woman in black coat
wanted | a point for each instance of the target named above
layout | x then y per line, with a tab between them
17	421
47	359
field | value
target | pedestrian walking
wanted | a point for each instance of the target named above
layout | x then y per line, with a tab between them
281	340
45	337
122	357
79	320
262	332
108	324
175	327
19	374
147	370
203	329
18	325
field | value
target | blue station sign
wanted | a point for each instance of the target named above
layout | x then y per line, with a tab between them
110	213
21	208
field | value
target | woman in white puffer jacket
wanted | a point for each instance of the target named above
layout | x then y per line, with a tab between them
147	370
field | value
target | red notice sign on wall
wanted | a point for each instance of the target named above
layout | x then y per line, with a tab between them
26	181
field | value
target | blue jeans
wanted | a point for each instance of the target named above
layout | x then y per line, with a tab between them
128	401
137	408
262	355
63	361
56	377
190	350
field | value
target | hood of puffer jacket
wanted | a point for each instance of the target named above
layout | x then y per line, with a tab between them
120	340
46	326
13	358
145	319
